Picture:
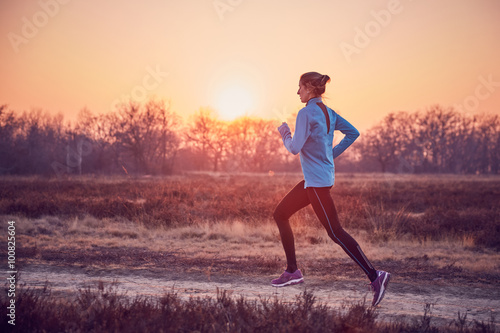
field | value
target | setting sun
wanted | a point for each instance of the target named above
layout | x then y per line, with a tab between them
234	101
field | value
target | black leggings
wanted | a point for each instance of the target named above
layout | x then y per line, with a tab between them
322	203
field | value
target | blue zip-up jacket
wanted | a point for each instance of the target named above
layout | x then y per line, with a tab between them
313	139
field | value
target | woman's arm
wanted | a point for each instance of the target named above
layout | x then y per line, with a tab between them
351	134
294	144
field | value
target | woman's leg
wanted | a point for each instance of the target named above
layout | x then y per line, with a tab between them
324	208
295	200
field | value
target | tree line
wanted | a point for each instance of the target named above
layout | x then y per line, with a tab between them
150	138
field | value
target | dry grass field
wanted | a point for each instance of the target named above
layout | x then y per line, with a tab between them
196	253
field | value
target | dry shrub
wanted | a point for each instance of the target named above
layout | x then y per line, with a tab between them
387	208
103	309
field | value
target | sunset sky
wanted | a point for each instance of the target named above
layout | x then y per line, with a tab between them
383	56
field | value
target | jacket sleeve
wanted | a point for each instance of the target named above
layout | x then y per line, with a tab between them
294	144
351	134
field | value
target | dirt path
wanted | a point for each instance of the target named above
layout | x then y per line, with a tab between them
402	300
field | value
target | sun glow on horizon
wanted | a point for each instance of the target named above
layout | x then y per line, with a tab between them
234	101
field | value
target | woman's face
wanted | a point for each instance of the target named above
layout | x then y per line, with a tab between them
305	93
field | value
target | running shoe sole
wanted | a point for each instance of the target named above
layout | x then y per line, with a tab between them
289	283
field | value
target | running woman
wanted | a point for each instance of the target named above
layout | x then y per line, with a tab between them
313	139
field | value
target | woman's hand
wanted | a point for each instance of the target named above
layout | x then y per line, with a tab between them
284	129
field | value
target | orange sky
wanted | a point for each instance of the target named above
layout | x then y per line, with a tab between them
383	56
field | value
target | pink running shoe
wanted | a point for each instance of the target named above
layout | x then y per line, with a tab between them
287	279
379	286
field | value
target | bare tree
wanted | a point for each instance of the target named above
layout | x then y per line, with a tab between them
437	140
147	137
254	144
381	143
147	134
8	125
208	136
166	142
437	127
487	152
